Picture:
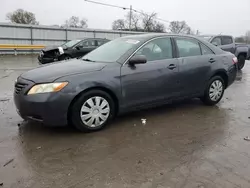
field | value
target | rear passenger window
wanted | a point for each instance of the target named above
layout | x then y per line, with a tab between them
205	50
227	40
188	47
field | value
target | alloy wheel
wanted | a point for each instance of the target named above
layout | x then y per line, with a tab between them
216	90
95	111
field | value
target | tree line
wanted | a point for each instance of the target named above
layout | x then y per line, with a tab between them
147	23
140	22
243	39
21	16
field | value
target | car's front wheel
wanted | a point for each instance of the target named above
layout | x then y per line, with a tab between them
92	111
64	57
214	91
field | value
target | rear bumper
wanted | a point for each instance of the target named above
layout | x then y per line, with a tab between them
232	73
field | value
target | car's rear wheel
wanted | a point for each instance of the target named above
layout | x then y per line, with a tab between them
241	61
92	111
214	91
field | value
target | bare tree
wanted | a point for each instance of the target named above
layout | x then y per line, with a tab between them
148	22
21	16
135	21
139	22
119	24
159	27
240	39
123	24
75	21
83	23
179	27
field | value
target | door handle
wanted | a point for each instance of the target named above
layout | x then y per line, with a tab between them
172	66
212	60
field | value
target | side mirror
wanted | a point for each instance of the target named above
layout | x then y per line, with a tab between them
138	59
78	48
215	43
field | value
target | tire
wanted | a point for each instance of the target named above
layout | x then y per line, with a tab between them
215	82
91	116
64	57
241	61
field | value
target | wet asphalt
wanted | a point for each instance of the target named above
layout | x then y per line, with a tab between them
182	145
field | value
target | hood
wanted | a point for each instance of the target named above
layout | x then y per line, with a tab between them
48	48
51	72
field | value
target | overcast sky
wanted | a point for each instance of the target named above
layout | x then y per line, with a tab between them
208	16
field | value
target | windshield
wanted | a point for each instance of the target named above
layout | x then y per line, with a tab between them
70	43
113	50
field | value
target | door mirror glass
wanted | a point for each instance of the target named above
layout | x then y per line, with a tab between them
215	43
78	47
138	59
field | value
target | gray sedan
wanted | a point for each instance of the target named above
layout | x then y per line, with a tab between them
123	75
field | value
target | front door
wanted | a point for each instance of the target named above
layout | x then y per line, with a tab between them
153	81
84	47
195	61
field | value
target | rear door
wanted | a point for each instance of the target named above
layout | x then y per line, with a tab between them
195	61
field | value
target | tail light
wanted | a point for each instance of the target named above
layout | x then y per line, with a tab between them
235	60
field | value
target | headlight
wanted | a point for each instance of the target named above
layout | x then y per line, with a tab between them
47	88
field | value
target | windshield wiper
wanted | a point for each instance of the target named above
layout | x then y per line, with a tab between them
88	60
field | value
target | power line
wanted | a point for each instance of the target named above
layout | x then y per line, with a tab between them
141	12
105	4
126	8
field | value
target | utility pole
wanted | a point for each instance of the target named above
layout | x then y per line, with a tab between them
130	17
124	8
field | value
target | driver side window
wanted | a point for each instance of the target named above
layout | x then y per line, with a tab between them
86	43
157	49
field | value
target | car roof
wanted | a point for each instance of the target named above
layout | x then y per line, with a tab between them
149	36
90	38
215	35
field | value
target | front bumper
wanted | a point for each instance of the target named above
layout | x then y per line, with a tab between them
48	108
44	60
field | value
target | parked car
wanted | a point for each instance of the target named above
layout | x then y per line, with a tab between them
71	49
227	43
123	75
244	44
